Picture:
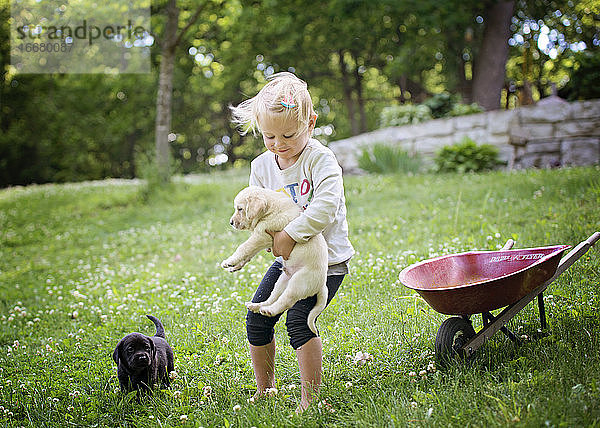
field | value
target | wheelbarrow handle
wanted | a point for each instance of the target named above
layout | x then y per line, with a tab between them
509	244
593	239
576	253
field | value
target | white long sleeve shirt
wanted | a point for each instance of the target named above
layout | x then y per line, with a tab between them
315	184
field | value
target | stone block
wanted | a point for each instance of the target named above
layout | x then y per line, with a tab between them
497	140
432	145
480	136
548	146
539	160
505	153
578	128
436	127
585	109
478	120
532	131
501	121
546	113
580	151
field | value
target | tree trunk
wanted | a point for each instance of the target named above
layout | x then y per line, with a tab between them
359	98
165	92
490	67
348	95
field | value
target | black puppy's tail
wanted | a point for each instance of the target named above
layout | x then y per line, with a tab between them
160	330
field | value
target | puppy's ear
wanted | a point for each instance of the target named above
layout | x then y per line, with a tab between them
117	353
152	347
255	206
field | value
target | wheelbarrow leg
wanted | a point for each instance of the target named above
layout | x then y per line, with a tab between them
542	310
489	318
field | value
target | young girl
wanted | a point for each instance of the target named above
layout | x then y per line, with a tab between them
308	173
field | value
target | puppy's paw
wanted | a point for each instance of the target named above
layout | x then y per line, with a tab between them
253	307
267	311
232	264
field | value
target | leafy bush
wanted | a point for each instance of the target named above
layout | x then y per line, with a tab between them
385	159
405	114
464	109
440	104
467	156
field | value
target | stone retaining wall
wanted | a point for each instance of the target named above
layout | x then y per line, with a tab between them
551	133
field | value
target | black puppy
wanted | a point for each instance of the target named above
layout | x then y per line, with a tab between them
143	361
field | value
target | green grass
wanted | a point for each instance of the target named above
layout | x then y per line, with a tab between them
81	264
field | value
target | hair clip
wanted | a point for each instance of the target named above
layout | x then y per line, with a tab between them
287	102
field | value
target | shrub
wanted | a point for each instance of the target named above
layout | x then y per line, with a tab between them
465	109
405	114
440	104
467	156
385	159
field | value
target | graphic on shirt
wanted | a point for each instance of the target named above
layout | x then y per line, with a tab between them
298	192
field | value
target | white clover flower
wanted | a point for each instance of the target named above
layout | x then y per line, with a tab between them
173	375
271	392
177	394
422	372
362	358
348	385
237	408
183	418
412	374
326	406
207	391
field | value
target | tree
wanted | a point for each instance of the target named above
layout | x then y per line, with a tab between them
490	65
172	38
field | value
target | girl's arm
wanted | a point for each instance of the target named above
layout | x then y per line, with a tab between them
327	195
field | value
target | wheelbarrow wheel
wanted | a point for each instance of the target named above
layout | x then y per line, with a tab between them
451	336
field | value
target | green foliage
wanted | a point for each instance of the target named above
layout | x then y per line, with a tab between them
386	159
81	265
440	104
357	57
467	156
404	114
446	105
464	109
585	75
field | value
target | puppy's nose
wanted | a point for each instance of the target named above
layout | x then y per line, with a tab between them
231	222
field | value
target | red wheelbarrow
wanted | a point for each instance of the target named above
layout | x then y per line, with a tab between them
478	282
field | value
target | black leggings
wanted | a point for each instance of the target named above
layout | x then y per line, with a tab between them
260	328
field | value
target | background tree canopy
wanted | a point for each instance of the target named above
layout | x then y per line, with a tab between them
357	57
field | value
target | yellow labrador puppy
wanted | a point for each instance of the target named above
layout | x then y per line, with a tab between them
304	273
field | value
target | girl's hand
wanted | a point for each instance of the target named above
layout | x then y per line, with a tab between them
283	244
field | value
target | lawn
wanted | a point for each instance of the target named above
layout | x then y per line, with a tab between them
81	264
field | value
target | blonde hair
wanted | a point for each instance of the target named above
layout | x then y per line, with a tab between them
284	94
